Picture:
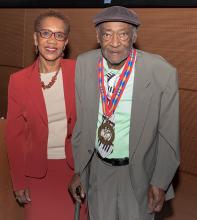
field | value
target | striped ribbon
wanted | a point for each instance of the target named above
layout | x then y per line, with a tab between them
109	107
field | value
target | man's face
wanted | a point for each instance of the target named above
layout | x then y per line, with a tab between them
116	40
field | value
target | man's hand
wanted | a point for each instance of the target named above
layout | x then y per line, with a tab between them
22	196
76	188
156	198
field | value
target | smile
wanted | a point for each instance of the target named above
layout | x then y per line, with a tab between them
50	49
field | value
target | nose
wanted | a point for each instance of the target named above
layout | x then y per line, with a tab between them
52	38
115	41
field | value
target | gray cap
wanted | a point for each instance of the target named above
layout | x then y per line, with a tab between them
117	13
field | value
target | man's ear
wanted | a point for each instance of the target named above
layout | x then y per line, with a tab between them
98	35
134	37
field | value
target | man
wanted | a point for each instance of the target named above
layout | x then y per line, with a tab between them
125	142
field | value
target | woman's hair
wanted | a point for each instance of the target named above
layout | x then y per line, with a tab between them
55	14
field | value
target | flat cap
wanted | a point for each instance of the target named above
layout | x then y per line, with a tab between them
117	13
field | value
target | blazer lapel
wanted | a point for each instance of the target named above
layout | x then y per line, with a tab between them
35	92
93	97
142	94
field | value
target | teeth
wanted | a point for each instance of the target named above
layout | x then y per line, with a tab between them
51	49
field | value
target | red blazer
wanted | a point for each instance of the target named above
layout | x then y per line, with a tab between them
27	123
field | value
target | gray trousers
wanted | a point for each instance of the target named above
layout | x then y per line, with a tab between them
110	194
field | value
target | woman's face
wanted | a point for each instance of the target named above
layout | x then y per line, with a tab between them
51	46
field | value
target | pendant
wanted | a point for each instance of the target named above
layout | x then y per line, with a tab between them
106	132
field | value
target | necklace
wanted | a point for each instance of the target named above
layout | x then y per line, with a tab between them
51	83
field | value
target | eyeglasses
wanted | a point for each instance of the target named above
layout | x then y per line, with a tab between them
45	33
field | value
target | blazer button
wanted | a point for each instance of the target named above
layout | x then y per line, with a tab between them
69	120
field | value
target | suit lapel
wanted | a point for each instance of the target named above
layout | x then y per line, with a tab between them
142	94
93	97
35	92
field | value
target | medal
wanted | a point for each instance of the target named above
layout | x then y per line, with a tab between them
106	133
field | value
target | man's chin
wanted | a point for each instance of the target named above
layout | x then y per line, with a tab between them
116	63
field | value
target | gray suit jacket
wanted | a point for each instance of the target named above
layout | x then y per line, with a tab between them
154	132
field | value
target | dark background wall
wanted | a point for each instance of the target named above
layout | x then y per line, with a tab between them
170	32
98	3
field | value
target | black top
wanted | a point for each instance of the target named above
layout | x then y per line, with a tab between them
97	3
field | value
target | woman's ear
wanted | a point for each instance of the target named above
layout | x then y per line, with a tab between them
35	39
66	42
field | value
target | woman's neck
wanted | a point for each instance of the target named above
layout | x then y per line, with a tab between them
48	66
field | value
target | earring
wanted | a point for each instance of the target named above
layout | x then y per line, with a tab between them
36	49
63	52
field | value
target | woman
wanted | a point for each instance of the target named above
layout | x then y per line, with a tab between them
40	121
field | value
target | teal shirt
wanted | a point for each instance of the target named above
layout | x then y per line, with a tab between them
122	116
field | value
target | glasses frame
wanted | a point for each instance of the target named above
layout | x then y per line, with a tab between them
52	33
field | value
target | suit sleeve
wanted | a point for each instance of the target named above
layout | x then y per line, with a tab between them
168	157
15	136
78	126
